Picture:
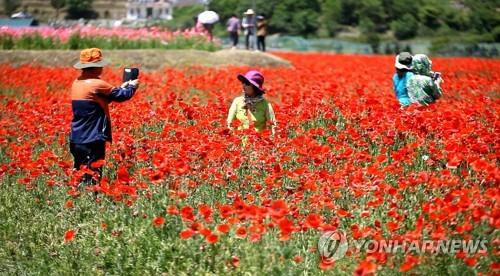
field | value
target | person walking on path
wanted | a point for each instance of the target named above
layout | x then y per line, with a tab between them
252	109
248	25
91	123
233	28
401	77
261	33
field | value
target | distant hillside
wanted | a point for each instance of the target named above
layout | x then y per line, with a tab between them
375	19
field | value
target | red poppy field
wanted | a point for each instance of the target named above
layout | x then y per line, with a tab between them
181	194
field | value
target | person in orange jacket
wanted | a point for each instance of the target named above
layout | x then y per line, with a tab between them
91	123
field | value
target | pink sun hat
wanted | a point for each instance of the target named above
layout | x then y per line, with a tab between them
253	77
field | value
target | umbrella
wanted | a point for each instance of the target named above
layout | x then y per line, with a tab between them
208	17
22	15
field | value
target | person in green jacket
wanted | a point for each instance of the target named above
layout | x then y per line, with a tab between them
424	87
252	109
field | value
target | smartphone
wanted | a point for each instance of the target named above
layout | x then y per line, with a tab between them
436	75
130	74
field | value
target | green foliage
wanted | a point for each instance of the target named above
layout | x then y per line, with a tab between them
298	17
6	42
225	8
397	8
496	34
10	6
429	14
457	19
76	41
184	17
373	11
330	12
347	14
406	27
303	21
80	9
327	17
484	14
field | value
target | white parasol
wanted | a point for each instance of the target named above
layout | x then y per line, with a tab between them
208	17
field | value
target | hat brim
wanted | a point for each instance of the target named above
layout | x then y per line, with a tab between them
254	84
249	13
101	63
402	66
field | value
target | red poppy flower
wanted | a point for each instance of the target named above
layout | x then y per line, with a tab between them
158	221
223	228
212	238
314	220
326	263
241	232
69	235
186	233
68	204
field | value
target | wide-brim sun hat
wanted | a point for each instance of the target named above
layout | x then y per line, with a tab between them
249	12
90	58
255	78
403	61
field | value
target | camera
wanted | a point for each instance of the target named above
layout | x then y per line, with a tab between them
130	74
435	75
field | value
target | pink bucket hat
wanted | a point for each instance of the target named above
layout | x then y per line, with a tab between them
253	77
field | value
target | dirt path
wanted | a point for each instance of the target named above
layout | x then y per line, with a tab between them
147	59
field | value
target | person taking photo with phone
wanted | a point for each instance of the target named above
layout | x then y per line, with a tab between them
91	123
424	87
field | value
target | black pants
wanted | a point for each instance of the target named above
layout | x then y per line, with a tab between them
261	43
248	37
85	155
234	38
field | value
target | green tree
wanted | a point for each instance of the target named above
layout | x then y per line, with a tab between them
456	19
296	17
224	8
10	6
483	14
80	9
496	34
405	27
348	12
330	12
430	15
372	11
58	5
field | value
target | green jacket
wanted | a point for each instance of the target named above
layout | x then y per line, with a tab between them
421	88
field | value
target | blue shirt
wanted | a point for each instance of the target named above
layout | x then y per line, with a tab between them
90	99
399	85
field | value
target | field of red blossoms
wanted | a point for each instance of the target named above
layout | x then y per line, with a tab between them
183	195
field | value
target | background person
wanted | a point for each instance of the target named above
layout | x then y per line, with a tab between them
233	28
261	33
401	77
248	25
209	31
252	109
91	123
422	87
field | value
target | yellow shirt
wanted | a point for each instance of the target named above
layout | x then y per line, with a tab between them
260	114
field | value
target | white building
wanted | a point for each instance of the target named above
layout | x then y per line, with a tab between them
149	9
